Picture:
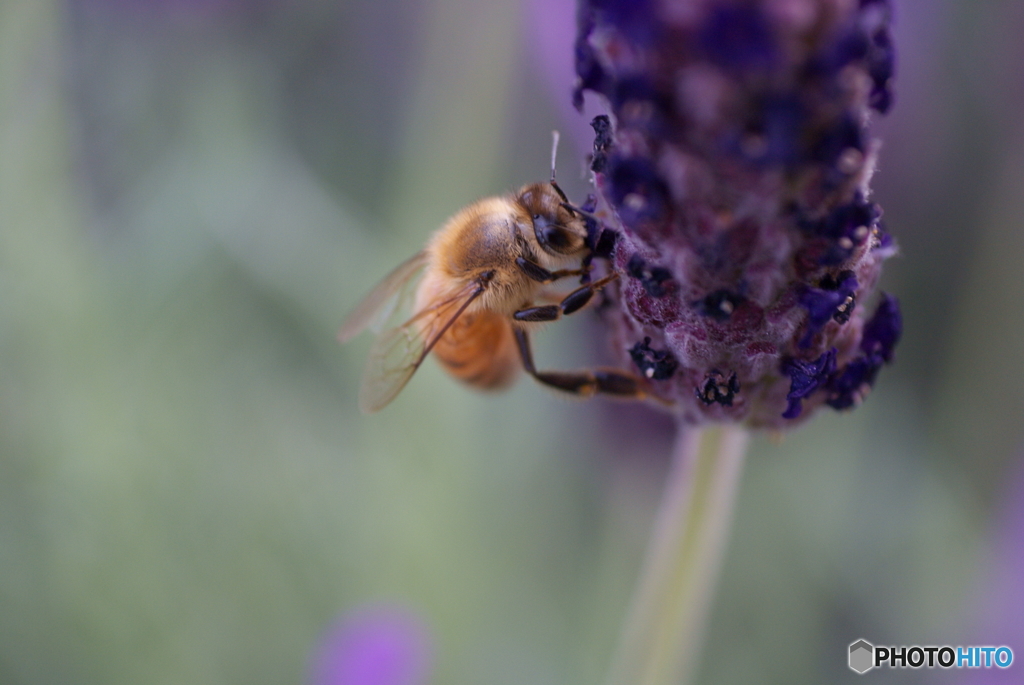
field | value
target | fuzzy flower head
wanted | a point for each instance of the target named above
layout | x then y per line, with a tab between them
735	166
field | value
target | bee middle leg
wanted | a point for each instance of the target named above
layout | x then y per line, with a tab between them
572	302
583	383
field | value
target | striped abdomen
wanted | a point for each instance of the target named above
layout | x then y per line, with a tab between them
480	349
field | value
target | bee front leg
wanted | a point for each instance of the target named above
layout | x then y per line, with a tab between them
583	383
542	275
572	302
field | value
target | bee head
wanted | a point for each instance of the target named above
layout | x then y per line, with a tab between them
557	229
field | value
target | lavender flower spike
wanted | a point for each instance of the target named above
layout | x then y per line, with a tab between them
737	174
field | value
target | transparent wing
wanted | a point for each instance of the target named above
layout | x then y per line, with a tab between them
398	352
386	298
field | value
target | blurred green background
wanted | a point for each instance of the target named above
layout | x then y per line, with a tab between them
192	195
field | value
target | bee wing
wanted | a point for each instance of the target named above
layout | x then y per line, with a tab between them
398	352
382	302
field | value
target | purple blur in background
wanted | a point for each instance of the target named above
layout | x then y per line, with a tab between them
1000	593
373	645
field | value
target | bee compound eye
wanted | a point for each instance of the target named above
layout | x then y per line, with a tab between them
550	235
541	228
556	237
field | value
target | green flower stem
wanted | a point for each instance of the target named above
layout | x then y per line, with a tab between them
661	640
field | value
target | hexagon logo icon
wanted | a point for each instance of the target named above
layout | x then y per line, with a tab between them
862	655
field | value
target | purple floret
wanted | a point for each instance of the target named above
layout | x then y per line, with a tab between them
805	378
883	330
833	300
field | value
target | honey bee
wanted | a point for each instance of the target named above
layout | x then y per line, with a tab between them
482	275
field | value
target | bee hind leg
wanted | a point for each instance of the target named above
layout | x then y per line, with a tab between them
582	383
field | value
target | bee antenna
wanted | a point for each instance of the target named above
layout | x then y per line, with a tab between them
576	210
554	153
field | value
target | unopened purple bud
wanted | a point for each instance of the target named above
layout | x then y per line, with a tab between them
653	278
657	365
720	304
734	167
881	55
602	141
737	36
717	390
637	190
834	237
